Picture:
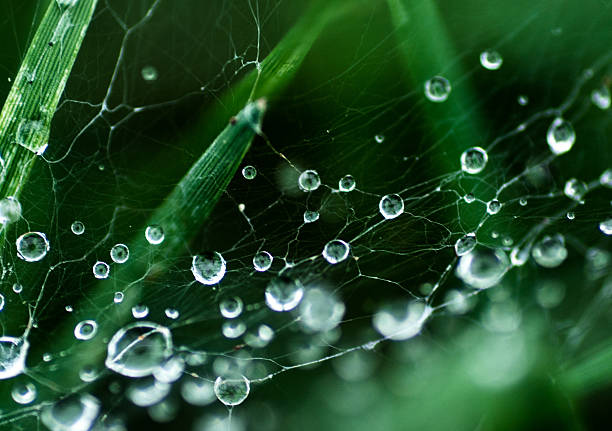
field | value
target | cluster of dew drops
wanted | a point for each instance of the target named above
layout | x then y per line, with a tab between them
143	348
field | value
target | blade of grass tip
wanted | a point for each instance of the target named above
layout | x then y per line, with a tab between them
181	215
25	119
427	51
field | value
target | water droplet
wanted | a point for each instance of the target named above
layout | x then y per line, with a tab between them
465	244
10	210
311	216
347	183
402	320
523	100
437	89
68	308
154	234
2	301
17	288
605	179
483	267
32	246
379	139
140	311
172	313
262	261
523	202
336	251
231	307
606	226
149	73
261	339
147	392
77	227
493	206
88	374
575	189
469	198
76	412
85	330
13	352
208	268
601	97
550	251
391	206
120	253
197	392
138	349
118	297
232	391
491	59
24	393
30	134
570	215
309	180
233	329
320	310
101	270
550	294
284	294
249	172
560	136
474	160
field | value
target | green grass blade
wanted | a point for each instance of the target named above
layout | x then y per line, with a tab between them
26	117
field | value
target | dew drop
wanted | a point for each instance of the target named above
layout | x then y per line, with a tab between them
575	189
491	60
154	234
17	288
309	180
101	270
605	179
347	183
262	261
474	160
24	393
138	349
465	244
493	206
2	301
13	352
118	297
483	267
140	311
76	412
336	251
320	310
523	100
85	330
120	253
172	313
560	136
391	206
469	198
437	89
208	268
523	202
606	226
32	246
570	215
233	329
77	227
379	139
311	216
149	73
10	210
249	172
231	307
550	251
601	97
197	392
402	320
283	294
232	391
147	392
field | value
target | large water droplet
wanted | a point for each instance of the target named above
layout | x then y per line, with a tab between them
154	234
13	352
24	393
197	392
550	251
309	180
474	160
231	307
336	251
311	216
75	413
465	244
262	261
347	183
208	268
146	392
32	246
402	320
560	136
437	89
120	253
249	172
101	270
491	60
320	310
575	189
232	391
138	349
391	206
86	329
493	206
77	227
483	267
284	294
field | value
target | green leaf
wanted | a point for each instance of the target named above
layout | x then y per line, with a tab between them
26	117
